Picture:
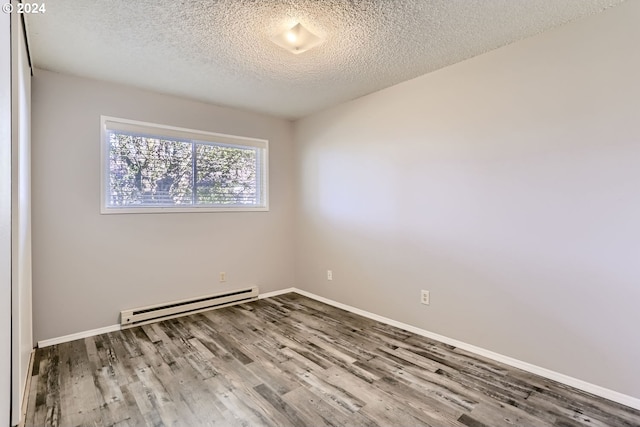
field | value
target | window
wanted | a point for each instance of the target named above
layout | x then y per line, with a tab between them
148	168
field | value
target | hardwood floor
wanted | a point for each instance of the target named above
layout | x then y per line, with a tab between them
293	361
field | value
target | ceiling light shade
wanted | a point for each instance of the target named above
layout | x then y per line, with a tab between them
297	39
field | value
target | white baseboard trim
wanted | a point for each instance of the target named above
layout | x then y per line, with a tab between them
25	393
597	390
276	293
78	335
112	328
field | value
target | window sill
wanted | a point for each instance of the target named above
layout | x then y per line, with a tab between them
170	210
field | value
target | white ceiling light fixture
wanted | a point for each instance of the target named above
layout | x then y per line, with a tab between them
297	39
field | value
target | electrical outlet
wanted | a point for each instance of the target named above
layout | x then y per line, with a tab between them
223	276
329	275
424	297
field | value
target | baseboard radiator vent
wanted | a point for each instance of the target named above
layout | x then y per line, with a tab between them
156	313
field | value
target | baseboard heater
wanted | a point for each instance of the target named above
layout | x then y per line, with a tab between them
158	312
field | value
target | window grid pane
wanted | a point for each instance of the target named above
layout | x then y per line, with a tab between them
226	175
147	171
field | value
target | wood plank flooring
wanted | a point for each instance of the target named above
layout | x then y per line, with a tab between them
293	361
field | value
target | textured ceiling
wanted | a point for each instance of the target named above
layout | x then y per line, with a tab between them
220	51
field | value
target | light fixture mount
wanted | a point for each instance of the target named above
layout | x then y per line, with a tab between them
297	39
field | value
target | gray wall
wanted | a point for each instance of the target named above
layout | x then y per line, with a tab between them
507	185
86	266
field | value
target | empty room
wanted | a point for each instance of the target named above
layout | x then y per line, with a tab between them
320	213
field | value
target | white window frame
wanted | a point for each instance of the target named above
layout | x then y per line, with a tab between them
108	123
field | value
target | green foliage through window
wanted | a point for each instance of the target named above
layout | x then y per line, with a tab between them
154	171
